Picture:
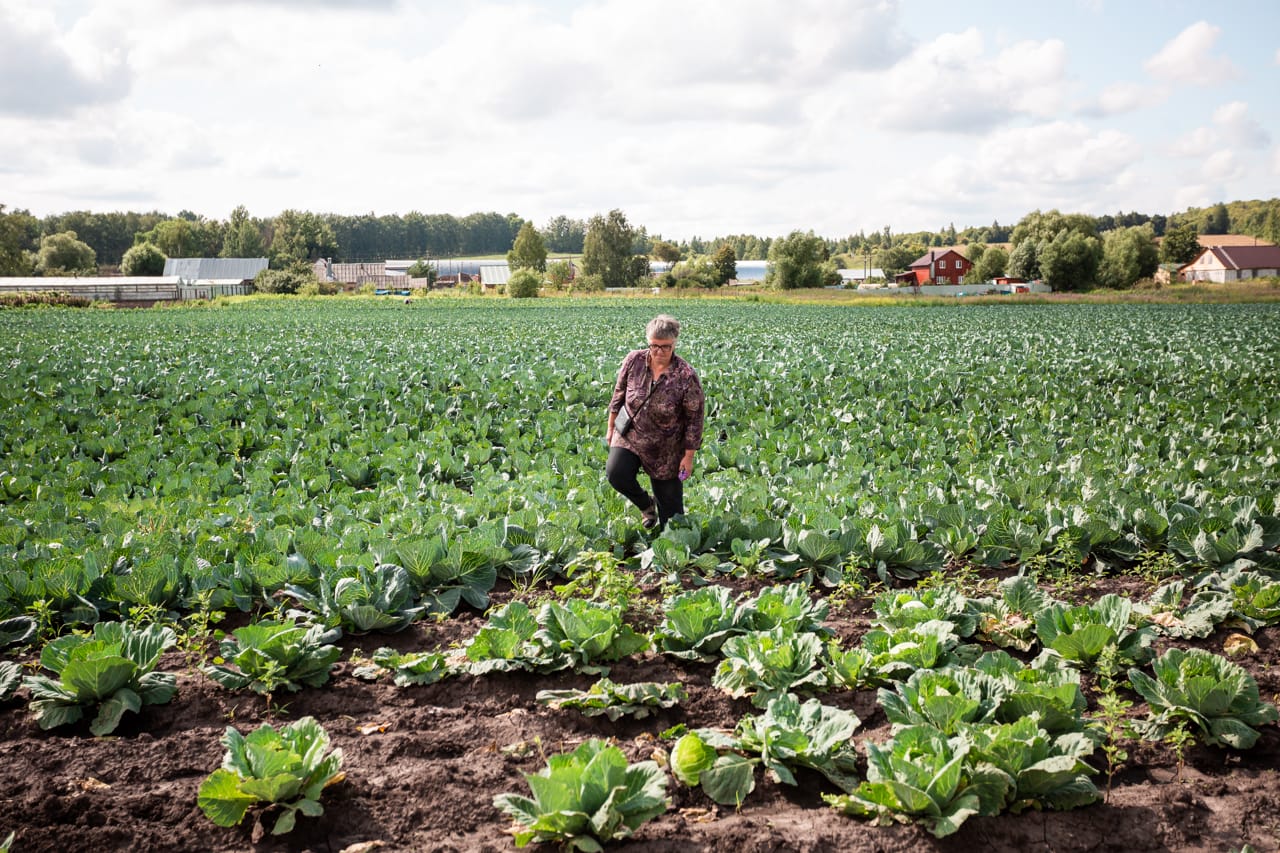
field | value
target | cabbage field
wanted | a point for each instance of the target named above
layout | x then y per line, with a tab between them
315	574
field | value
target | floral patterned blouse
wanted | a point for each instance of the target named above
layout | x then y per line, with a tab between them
670	423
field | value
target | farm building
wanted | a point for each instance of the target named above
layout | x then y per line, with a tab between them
1165	274
214	269
327	270
1232	263
493	275
859	276
131	290
937	266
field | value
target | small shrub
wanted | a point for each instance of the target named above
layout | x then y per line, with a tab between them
524	284
559	274
143	259
289	280
319	288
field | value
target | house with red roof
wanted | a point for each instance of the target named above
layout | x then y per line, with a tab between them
1232	263
936	266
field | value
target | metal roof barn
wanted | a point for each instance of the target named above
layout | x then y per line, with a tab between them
191	269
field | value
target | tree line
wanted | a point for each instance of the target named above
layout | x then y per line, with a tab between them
1070	251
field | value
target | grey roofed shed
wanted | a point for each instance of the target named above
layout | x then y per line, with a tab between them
494	274
190	269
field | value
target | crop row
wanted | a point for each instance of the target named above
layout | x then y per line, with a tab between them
974	732
143	454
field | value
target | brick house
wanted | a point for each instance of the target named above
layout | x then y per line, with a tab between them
937	266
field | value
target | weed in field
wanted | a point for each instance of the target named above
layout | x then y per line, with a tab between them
45	613
1156	566
854	586
599	576
1113	717
961	575
195	636
1059	567
529	587
149	614
1179	739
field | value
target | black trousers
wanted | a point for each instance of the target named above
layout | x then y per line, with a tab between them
622	468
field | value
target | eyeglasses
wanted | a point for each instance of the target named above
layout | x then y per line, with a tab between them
661	347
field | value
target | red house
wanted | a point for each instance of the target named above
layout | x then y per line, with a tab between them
937	266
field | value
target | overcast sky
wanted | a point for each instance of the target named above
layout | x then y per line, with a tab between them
695	117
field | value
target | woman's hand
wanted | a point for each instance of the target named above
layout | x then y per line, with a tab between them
686	465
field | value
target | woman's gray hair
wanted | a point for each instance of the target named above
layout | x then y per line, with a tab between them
664	327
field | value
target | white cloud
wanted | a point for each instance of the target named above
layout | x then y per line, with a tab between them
1195	143
45	73
1059	154
952	85
1188	58
1222	166
1066	165
1194	195
1232	128
1238	127
1123	97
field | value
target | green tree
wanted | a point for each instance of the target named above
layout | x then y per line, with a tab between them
110	235
725	261
1038	227
894	259
243	236
524	284
799	260
1180	245
565	235
1128	254
668	253
696	272
423	269
65	254
143	259
528	252
291	279
488	233
1070	261
1024	260
559	273
19	231
606	251
301	236
991	264
183	238
1216	220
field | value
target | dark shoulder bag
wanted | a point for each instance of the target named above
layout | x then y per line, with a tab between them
623	422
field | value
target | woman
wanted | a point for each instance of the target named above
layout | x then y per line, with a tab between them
664	399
